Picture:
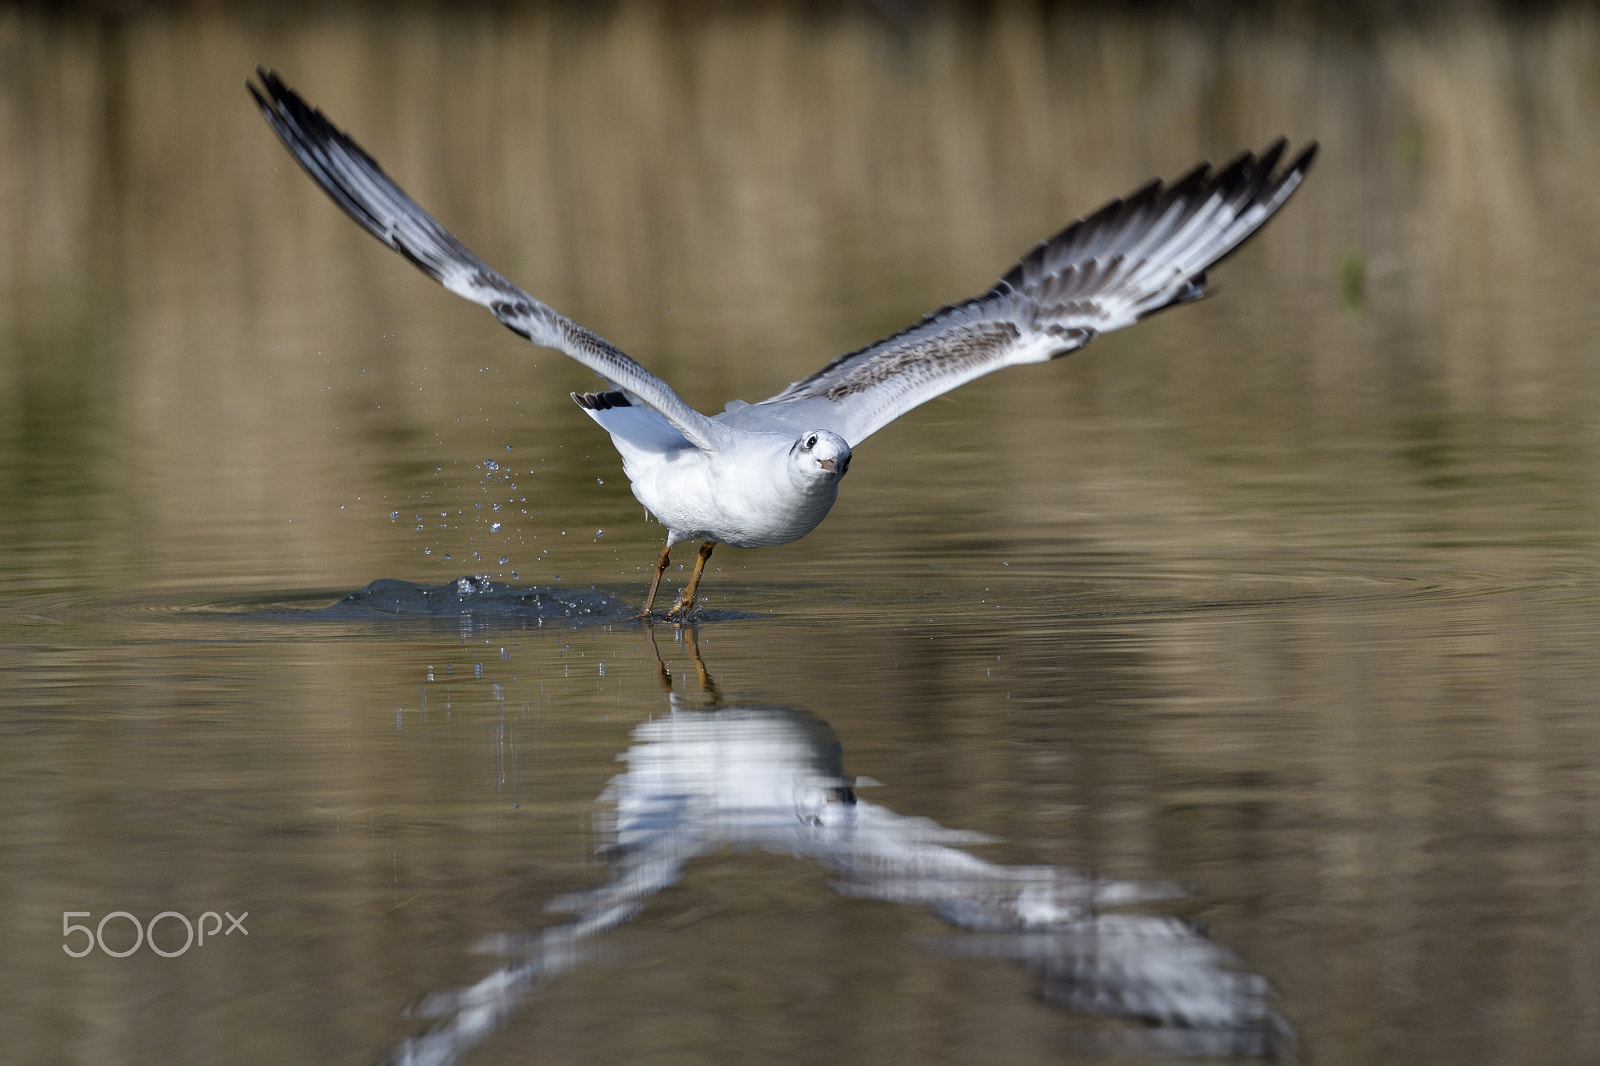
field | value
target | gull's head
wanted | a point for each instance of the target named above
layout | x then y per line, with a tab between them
820	456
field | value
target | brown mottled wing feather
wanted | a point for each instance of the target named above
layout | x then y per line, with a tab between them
354	181
1130	259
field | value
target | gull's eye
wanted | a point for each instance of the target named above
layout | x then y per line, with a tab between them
811	442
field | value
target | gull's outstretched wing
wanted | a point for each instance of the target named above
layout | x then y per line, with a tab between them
354	181
1130	259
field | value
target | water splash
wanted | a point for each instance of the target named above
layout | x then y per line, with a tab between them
473	598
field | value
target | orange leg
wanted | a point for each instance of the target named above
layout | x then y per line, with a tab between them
655	582
685	602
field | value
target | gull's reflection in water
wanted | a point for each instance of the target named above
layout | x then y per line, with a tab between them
716	774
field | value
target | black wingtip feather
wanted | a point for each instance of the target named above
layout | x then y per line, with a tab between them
1303	161
314	142
600	401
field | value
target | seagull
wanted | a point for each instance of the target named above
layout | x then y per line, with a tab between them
762	474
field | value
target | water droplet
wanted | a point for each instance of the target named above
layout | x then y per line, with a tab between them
393	515
494	528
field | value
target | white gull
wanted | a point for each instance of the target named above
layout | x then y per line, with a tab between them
762	474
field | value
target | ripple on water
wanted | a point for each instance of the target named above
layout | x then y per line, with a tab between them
474	598
477	599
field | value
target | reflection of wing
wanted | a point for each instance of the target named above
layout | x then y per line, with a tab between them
1152	968
1130	259
354	181
773	778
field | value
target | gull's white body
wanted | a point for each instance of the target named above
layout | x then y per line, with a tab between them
752	492
757	475
748	498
